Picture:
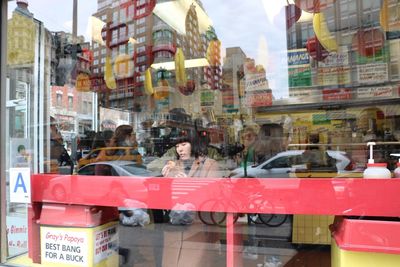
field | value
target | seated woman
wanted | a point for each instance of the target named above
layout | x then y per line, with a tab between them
191	161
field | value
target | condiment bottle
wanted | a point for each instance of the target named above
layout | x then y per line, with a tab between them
375	170
396	172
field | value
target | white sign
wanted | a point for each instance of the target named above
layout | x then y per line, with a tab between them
255	82
20	185
63	246
336	59
375	92
17	234
334	75
373	73
106	243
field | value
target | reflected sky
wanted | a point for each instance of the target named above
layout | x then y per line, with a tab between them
257	27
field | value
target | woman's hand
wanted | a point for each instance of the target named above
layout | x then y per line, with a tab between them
167	168
171	170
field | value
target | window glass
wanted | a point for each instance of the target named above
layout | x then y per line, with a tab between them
70	102
177	116
122	15
141	21
140	49
279	163
131	29
87	170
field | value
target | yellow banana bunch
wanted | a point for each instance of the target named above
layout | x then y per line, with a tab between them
148	84
108	74
180	72
388	15
326	39
213	51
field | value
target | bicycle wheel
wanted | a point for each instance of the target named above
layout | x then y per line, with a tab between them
273	220
219	218
206	216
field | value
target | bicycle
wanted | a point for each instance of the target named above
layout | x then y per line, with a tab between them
257	202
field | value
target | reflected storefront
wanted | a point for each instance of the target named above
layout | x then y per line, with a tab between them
199	133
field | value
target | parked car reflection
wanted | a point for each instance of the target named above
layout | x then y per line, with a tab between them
116	168
66	187
302	163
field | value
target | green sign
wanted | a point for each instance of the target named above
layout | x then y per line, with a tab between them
300	76
319	119
207	98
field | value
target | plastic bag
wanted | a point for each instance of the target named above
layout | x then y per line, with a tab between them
135	217
182	214
273	261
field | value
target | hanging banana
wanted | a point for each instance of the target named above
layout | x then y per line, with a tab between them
148	84
180	72
325	37
109	75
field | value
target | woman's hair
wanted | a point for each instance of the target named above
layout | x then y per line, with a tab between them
107	135
101	138
199	148
121	133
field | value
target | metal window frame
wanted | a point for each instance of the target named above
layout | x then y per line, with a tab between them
3	66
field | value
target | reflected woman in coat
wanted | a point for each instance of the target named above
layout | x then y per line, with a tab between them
190	245
191	159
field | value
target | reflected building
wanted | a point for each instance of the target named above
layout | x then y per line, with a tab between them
245	86
29	95
343	63
21	36
71	100
233	80
139	30
63	60
360	53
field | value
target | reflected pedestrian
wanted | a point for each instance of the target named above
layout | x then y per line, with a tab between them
124	137
249	155
101	140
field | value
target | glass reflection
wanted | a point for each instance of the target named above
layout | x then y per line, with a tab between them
100	95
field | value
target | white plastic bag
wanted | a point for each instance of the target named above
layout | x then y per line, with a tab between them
182	214
135	217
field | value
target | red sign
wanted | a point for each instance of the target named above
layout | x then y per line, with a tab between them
260	98
336	94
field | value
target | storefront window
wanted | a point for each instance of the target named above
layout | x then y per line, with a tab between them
165	134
